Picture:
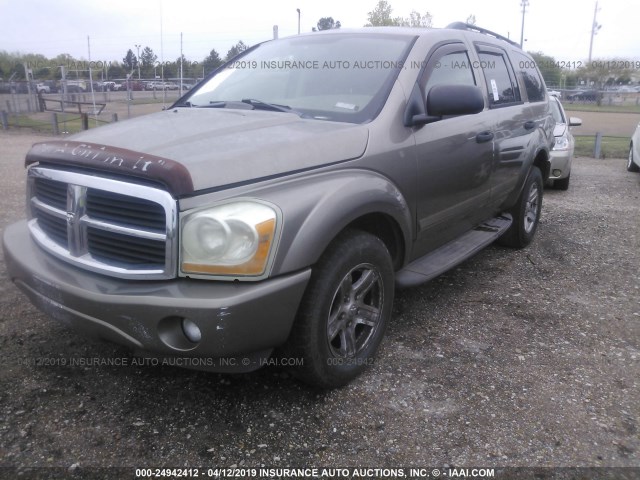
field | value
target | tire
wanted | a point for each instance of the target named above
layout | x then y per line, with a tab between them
563	183
344	311
525	213
631	165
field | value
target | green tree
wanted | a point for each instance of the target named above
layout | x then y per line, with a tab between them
211	61
62	60
236	50
130	61
116	70
548	68
327	23
12	63
39	65
381	16
170	70
187	67
147	61
604	71
417	20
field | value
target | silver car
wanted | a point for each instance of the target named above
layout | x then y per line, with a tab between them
562	152
634	151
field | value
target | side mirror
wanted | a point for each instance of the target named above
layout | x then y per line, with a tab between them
575	121
454	100
448	100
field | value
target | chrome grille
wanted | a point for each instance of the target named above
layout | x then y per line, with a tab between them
109	226
112	207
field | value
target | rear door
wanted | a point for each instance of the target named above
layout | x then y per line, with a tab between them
516	122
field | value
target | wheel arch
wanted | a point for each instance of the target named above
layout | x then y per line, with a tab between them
386	229
332	203
543	162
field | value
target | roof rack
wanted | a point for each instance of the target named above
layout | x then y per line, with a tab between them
474	28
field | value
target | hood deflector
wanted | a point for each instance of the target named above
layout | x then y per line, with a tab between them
170	173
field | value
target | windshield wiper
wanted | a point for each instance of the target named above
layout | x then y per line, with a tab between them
259	104
246	104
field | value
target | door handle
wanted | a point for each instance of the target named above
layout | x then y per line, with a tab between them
484	137
529	125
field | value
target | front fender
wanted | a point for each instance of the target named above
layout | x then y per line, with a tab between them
318	207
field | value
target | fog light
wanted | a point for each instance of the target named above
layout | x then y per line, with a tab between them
191	330
557	173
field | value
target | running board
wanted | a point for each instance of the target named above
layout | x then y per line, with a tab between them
451	254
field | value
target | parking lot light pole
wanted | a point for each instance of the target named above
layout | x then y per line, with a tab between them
524	4
138	59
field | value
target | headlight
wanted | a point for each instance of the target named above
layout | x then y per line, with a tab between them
233	239
562	143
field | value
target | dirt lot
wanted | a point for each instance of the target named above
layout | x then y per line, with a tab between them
516	358
609	124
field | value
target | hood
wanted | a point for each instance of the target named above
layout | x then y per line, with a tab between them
217	147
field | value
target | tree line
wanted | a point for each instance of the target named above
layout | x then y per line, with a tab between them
12	65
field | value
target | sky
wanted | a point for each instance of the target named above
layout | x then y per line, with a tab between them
561	29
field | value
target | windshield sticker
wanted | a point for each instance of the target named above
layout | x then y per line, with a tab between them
494	89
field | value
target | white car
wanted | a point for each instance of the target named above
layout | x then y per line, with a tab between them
634	151
562	153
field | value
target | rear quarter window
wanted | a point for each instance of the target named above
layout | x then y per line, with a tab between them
531	78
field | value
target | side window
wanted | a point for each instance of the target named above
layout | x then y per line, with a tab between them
501	86
451	69
533	84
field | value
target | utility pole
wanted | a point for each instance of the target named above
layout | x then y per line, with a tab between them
594	30
524	4
138	59
298	10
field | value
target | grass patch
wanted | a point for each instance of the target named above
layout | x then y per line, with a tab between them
592	107
611	147
67	123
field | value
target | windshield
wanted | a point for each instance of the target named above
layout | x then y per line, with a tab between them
340	77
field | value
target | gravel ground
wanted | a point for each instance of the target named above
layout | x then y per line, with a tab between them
516	358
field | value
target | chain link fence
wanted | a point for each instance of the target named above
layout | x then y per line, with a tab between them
59	113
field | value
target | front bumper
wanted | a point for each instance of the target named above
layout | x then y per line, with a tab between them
240	323
560	164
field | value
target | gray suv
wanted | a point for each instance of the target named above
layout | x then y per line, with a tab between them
272	210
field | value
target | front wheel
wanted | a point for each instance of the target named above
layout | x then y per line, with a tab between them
344	312
631	165
525	213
